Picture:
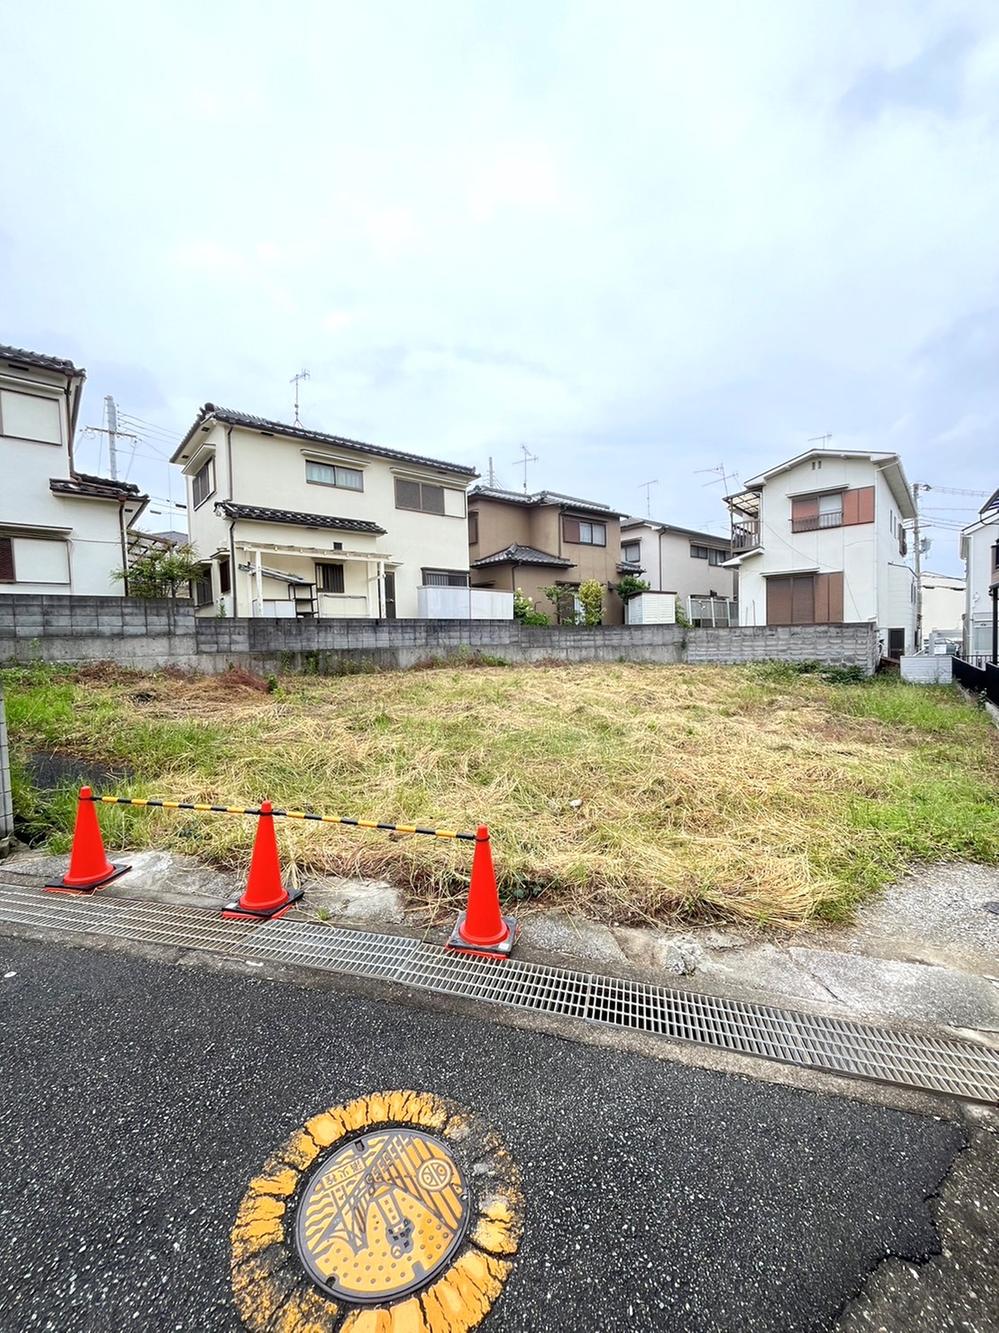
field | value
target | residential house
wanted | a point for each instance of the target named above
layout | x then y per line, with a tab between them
686	562
942	604
980	553
821	539
296	522
530	542
61	531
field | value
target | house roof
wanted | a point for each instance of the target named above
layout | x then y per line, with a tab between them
522	555
210	412
705	538
991	505
95	488
887	463
22	355
539	498
630	567
261	514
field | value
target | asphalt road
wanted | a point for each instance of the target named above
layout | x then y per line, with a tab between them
137	1098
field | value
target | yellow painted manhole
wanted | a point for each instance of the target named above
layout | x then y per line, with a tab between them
394	1213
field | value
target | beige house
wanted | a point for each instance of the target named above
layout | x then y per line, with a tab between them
299	523
535	541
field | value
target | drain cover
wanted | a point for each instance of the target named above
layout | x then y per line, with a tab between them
992	907
382	1216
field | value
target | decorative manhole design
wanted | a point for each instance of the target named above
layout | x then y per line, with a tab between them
382	1216
391	1213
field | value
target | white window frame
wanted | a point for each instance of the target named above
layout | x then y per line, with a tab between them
589	525
195	502
31	439
338	470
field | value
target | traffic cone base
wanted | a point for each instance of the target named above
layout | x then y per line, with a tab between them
237	912
87	889
501	949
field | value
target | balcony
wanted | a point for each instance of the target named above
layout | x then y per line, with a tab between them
745	535
812	522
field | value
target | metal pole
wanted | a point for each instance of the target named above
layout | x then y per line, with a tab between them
112	411
918	564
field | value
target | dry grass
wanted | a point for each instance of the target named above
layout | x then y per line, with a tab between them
630	792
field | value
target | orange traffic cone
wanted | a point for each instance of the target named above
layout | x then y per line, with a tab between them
89	867
482	928
265	896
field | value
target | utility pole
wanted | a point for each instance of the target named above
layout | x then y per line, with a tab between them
917	553
492	472
523	462
296	380
112	414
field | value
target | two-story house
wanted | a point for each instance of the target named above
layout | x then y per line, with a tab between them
296	522
61	531
821	539
686	562
980	553
530	542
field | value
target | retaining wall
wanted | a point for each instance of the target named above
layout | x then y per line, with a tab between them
149	634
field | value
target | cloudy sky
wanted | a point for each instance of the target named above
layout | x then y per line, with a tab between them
642	239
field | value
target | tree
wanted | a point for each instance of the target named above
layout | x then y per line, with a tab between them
591	595
630	586
160	572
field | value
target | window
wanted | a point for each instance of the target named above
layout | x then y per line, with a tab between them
698	552
225	583
421	495
28	416
203	483
329	577
202	587
811	512
632	552
445	578
473	529
583	532
332	474
6	560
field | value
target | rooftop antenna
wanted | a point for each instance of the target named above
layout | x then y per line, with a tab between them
646	486
523	462
821	440
296	380
721	475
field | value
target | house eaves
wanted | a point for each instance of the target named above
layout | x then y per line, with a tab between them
571	503
210	414
261	514
21	358
703	538
516	554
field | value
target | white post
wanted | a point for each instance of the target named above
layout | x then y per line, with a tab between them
258	580
367	588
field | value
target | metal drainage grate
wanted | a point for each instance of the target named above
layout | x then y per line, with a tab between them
912	1060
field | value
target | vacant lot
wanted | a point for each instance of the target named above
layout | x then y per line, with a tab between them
630	792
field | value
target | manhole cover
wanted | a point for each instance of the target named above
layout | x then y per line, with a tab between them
382	1216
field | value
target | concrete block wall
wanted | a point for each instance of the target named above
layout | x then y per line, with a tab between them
150	634
927	668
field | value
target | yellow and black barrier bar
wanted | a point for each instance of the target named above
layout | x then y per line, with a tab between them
157	803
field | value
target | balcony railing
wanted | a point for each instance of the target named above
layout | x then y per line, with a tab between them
745	536
812	522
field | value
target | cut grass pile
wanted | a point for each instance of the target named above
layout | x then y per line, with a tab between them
628	792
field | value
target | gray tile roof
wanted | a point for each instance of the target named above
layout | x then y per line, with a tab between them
703	538
538	498
39	359
98	488
250	422
261	514
522	555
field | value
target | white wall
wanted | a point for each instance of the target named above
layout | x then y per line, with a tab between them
651	608
943	604
61	543
270	470
464	604
978	543
669	566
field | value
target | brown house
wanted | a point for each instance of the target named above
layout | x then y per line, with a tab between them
532	542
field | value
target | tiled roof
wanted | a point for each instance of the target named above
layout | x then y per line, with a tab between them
98	488
538	498
260	514
991	503
522	555
704	538
38	359
630	567
232	418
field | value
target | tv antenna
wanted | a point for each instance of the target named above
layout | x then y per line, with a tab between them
523	462
296	380
721	475
821	440
646	486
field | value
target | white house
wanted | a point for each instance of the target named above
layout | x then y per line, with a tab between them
980	553
61	531
684	561
943	604
821	539
295	522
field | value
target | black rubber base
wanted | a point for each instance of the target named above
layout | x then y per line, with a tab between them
233	911
88	889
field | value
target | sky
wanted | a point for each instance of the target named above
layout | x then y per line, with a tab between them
642	240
